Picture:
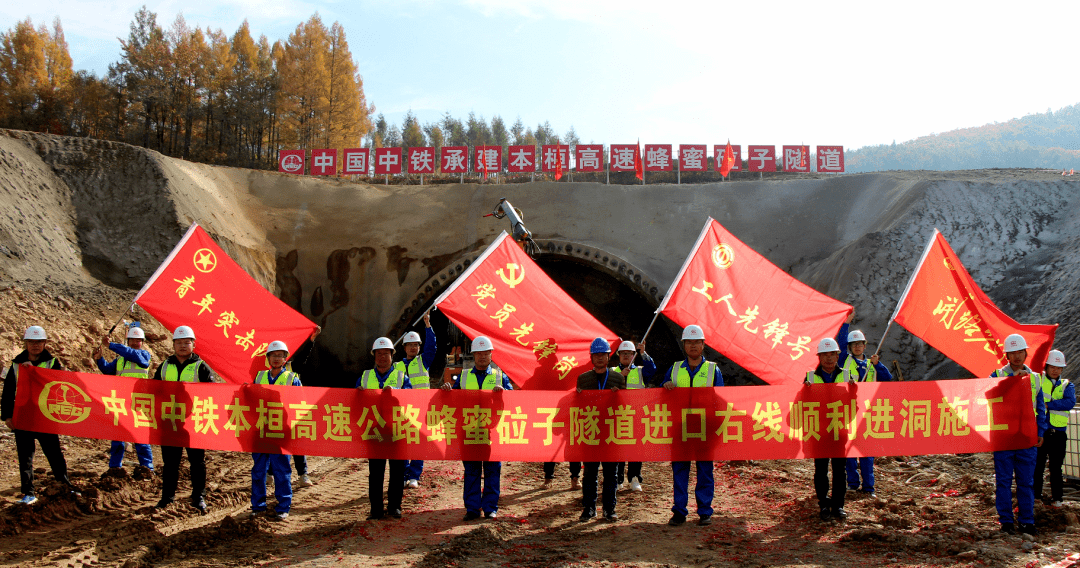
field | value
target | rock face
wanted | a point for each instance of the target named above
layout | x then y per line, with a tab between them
365	260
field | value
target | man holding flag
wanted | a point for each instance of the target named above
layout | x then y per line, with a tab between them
131	361
415	367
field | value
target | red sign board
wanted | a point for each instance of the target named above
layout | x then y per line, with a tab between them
388	160
623	157
761	159
658	158
324	162
291	162
830	159
521	159
356	161
488	159
797	159
718	156
422	160
454	159
589	157
547	163
693	157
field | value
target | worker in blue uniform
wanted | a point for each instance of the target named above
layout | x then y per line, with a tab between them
481	377
131	361
416	369
829	371
384	376
636	378
694	371
1060	397
277	352
866	370
1020	463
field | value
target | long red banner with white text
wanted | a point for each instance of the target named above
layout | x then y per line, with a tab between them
753	422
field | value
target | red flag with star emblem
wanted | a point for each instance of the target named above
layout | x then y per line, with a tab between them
728	161
541	336
232	315
751	311
944	307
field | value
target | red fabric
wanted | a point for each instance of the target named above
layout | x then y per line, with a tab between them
558	163
481	162
233	317
541	336
944	307
769	422
729	160
639	164
291	162
751	311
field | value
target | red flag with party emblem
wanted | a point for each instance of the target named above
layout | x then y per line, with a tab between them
540	335
729	160
751	311
944	307
234	318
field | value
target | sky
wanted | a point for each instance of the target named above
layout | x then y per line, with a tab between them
671	72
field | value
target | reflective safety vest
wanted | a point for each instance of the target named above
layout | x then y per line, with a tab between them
634	379
396	379
285	378
703	378
189	375
50	364
845	376
1036	383
416	371
1058	418
853	369
491	380
125	368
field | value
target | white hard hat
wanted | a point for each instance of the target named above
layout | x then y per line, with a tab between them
183	332
693	332
1056	358
412	337
383	343
136	333
482	344
1015	342
828	345
856	336
627	346
35	332
277	346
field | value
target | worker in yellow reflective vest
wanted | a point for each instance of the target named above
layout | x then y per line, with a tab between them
636	378
278	464
131	361
865	369
828	371
1060	397
34	354
694	371
384	376
185	366
416	369
481	377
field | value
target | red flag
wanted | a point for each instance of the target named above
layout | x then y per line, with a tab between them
481	162
234	318
944	307
541	336
751	311
639	164
558	161
729	160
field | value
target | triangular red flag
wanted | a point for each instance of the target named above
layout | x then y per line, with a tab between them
728	160
639	165
558	161
481	161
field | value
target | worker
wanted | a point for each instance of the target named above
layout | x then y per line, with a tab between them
416	369
307	348
1060	397
575	474
185	366
131	361
384	376
636	378
829	371
694	371
481	377
853	359
1020	463
278	464
600	377
34	354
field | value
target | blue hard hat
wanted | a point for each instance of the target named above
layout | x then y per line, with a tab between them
599	345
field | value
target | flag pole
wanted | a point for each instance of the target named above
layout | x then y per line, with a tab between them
650	326
907	289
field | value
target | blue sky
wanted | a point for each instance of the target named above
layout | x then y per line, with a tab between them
828	73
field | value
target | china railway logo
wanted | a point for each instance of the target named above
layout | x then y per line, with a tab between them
64	402
723	255
205	260
292	164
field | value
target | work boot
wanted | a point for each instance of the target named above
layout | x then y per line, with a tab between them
164	502
200	504
676	520
304	481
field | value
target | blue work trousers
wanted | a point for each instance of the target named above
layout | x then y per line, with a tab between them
413	469
142	451
1022	464
863	466
703	491
470	492
279	466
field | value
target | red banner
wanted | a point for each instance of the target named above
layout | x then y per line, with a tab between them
761	158
324	162
234	318
692	158
541	336
454	159
589	157
488	159
772	422
291	162
422	160
754	313
624	157
830	159
797	159
658	158
521	159
548	153
355	161
944	307
387	161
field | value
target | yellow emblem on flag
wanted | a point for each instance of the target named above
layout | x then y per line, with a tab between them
723	256
56	403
